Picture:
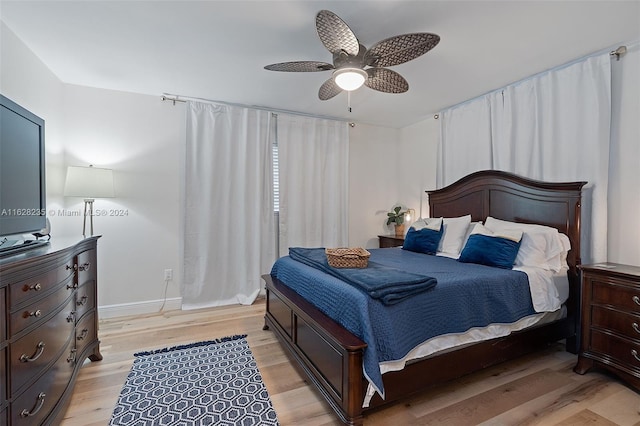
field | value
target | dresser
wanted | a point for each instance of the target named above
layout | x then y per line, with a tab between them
48	327
390	241
610	336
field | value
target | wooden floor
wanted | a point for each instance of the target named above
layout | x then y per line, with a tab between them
540	389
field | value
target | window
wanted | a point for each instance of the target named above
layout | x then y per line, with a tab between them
276	177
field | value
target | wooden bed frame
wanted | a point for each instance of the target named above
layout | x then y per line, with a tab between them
331	357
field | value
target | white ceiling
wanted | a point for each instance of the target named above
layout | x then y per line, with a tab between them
217	49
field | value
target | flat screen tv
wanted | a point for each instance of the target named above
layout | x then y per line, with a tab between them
22	173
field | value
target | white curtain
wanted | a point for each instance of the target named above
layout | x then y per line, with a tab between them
229	228
554	126
313	163
467	130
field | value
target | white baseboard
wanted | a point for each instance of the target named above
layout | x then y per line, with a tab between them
139	308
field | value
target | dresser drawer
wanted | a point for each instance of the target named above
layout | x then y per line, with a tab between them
34	405
85	299
41	308
86	267
31	354
23	292
616	349
616	294
619	322
85	333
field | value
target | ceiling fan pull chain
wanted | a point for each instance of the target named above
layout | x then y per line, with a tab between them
349	100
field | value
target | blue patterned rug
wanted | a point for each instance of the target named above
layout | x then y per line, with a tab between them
206	383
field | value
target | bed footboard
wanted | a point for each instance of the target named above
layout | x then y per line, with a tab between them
330	356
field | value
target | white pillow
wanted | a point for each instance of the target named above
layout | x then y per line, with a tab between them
428	222
560	261
468	232
541	246
453	234
509	234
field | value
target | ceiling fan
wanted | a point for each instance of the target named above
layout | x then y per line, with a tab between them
355	65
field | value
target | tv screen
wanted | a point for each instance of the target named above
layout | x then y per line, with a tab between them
22	170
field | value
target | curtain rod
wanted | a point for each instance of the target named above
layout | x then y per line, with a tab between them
175	98
620	51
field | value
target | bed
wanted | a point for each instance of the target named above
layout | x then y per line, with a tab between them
335	359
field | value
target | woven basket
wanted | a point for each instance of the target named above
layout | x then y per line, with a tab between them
347	257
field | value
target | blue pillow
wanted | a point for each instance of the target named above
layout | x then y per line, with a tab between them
424	240
490	250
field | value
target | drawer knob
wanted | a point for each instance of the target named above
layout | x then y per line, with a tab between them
35	356
34	411
71	317
83	335
635	327
84	267
34	287
635	354
82	300
37	314
72	356
74	267
636	299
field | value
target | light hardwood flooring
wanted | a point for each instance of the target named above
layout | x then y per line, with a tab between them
539	389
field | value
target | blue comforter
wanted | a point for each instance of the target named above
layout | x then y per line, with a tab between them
389	285
467	296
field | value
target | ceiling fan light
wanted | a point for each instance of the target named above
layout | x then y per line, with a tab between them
349	78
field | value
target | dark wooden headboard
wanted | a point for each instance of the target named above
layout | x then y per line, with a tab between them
510	197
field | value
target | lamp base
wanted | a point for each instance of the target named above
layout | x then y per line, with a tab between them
88	211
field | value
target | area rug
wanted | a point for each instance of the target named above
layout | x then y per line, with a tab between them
206	383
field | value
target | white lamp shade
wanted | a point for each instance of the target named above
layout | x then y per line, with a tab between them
349	78
89	182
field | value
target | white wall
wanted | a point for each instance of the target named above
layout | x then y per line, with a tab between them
417	163
388	167
374	182
140	138
27	81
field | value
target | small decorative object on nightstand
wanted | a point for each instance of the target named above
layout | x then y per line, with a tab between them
611	320
397	216
390	241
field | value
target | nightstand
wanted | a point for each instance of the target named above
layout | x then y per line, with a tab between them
611	320
390	241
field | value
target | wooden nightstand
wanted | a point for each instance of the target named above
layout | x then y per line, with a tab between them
390	241
611	320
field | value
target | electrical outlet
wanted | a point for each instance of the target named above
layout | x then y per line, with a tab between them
168	274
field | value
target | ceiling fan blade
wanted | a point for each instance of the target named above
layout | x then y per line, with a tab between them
399	49
335	34
328	90
384	80
300	66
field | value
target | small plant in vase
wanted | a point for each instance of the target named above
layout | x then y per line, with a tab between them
396	216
